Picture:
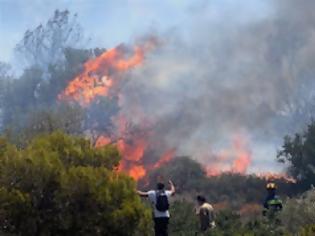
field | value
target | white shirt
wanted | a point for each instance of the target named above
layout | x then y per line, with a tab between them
152	198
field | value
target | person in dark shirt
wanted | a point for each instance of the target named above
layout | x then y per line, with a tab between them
272	202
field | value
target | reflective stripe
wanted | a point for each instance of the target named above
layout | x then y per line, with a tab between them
274	202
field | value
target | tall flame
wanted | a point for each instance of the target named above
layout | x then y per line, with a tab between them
101	74
236	159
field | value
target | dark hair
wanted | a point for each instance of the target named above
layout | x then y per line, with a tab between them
160	186
201	198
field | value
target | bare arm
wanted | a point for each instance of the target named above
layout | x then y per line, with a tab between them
172	187
142	194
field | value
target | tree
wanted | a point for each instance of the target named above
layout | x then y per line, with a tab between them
187	174
5	77
299	152
45	45
231	189
66	187
64	117
99	116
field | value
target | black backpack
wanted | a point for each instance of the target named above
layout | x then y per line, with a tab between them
161	201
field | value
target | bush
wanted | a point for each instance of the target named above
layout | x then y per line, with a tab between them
299	212
61	185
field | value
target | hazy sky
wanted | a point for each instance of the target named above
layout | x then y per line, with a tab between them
110	22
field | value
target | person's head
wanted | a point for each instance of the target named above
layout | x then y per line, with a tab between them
201	199
160	186
271	188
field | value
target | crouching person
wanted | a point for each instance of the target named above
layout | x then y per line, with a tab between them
159	199
206	214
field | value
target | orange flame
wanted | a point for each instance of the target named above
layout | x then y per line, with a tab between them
268	176
137	172
236	159
101	74
243	156
133	151
132	154
102	141
164	158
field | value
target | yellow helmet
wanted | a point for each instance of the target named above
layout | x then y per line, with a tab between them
271	186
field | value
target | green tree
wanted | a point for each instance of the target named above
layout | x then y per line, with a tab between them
183	220
299	153
61	185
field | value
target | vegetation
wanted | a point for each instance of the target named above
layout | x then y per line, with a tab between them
298	152
61	185
299	212
55	183
229	190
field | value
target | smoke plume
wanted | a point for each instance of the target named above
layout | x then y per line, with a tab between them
248	82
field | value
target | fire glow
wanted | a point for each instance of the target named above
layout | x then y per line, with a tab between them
104	76
236	159
101	75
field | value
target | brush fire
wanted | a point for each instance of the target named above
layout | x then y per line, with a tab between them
105	76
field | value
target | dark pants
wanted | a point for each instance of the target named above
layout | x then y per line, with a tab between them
160	226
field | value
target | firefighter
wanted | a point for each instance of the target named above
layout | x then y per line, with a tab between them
272	203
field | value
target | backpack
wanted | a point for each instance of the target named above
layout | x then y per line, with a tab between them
161	201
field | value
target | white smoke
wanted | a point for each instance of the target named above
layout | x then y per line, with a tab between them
220	79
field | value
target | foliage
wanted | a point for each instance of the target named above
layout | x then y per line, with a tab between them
45	44
185	172
233	189
63	117
66	187
298	152
184	222
299	212
308	230
30	105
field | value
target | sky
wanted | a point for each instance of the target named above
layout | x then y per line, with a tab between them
111	22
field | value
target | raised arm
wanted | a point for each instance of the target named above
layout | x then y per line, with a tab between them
142	194
172	187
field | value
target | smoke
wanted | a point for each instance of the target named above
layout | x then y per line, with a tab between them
224	87
251	78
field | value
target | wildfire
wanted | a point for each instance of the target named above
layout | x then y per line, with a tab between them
102	141
241	159
104	76
165	158
103	73
235	159
273	176
243	156
137	172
